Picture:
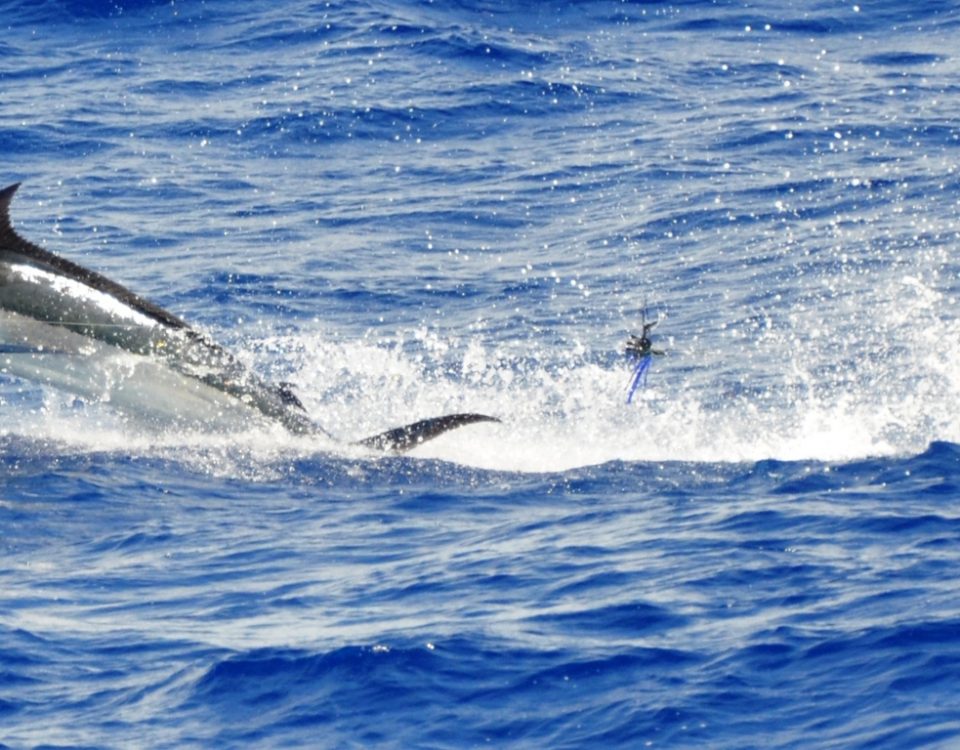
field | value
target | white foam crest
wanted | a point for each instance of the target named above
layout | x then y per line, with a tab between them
562	412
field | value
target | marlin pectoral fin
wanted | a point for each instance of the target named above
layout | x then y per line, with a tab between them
26	349
402	439
286	394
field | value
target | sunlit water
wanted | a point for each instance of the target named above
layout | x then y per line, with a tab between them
407	210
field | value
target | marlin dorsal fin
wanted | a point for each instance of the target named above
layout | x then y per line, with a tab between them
10	241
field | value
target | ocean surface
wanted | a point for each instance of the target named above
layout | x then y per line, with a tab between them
411	208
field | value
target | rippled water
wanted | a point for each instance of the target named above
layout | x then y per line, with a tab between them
407	209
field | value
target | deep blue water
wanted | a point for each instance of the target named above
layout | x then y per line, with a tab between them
411	208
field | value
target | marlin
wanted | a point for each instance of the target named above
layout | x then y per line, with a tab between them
64	325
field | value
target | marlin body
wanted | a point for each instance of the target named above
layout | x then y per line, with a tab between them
69	327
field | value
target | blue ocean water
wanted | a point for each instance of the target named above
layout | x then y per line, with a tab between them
411	208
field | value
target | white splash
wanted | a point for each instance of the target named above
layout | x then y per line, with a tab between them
851	391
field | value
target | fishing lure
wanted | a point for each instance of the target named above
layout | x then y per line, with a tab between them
640	352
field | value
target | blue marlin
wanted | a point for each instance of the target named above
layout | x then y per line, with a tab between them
64	325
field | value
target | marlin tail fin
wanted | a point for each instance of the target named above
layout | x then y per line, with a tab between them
402	439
